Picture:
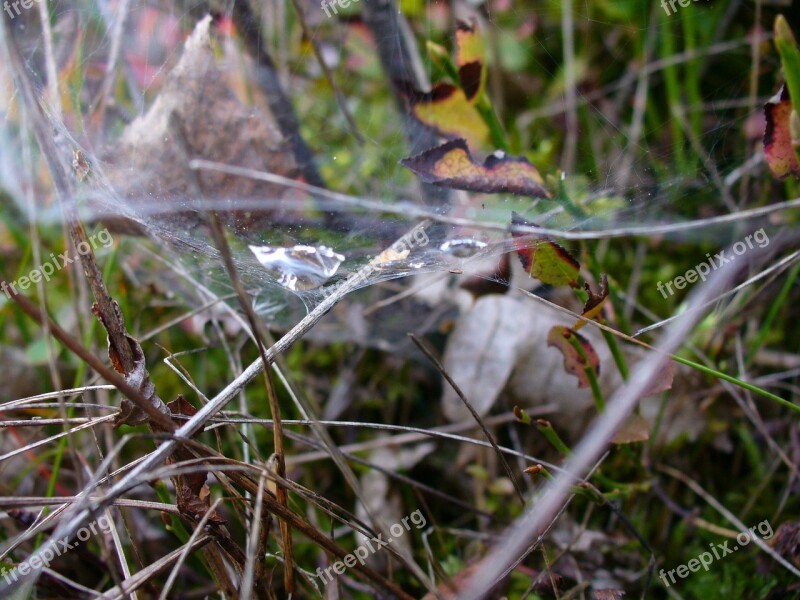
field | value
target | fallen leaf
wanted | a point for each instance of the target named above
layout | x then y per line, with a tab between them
539	379
661	383
544	259
779	149
451	165
480	355
495	281
385	500
574	363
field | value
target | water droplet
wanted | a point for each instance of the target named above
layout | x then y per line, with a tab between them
462	247
299	268
399	266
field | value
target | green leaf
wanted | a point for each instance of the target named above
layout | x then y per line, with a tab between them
544	259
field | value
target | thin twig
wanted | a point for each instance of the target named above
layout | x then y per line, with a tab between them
439	367
411	211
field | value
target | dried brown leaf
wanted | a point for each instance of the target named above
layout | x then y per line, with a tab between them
148	163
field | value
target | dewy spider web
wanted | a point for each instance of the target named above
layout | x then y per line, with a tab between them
294	220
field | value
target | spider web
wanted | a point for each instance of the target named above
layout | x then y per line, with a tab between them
377	202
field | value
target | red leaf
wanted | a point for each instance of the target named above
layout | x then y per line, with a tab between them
574	363
778	145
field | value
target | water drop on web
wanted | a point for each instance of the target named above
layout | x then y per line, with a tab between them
298	268
463	247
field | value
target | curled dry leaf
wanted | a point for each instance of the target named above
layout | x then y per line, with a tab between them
192	494
148	163
139	378
451	165
786	541
779	148
544	259
574	363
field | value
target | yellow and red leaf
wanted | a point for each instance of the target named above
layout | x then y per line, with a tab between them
446	110
451	165
471	60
